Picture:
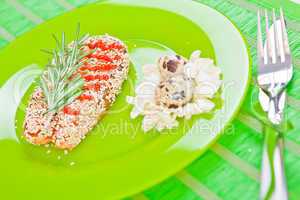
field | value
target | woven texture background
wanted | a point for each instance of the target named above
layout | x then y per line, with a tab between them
230	169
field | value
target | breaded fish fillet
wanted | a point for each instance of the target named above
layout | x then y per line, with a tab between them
103	71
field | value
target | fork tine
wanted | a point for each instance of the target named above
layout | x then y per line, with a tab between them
276	37
286	47
260	49
268	55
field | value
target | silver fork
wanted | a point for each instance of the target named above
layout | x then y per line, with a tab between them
274	73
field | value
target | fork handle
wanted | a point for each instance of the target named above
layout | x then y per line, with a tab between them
273	182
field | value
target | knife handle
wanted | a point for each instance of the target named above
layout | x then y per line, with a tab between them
273	182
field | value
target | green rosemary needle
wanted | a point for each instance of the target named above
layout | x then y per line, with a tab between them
59	83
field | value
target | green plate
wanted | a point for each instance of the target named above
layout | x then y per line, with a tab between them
117	159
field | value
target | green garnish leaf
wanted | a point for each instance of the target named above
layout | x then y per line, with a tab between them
58	82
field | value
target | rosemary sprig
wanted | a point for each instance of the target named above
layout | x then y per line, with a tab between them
58	82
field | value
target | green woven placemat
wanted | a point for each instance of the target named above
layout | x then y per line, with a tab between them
230	169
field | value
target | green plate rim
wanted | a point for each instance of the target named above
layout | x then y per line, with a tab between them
190	159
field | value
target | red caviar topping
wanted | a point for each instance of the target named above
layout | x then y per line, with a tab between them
103	77
95	87
96	77
117	57
104	67
100	44
100	57
91	55
85	97
70	111
92	45
89	77
104	58
116	46
88	87
84	67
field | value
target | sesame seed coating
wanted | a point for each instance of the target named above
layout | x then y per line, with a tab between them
104	71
